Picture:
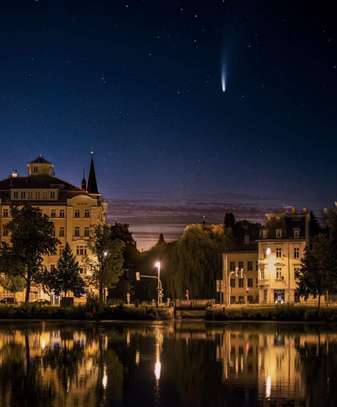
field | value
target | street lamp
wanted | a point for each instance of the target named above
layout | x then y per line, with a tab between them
105	253
157	265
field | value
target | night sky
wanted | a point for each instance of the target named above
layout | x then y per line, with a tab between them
139	82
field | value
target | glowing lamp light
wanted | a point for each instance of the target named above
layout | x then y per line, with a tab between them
268	387
268	251
157	370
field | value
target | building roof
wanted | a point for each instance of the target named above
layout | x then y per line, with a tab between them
42	181
40	160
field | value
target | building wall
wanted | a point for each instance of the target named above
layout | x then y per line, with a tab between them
278	261
91	213
240	268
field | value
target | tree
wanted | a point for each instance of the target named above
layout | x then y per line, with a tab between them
108	264
31	239
314	277
66	276
12	283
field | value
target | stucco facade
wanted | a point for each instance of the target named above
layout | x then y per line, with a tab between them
74	211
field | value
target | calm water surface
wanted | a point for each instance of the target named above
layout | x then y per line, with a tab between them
186	364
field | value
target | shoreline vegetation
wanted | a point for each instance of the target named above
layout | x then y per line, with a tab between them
281	313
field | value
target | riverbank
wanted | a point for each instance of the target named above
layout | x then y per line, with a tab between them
286	313
120	312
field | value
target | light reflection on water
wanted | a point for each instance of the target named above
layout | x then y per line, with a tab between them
182	364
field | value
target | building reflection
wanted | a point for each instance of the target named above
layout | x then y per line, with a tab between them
119	365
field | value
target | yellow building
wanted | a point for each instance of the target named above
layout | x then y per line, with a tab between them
240	277
75	211
280	251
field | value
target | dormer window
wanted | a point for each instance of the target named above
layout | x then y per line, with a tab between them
296	233
278	233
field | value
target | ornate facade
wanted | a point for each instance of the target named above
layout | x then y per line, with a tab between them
75	211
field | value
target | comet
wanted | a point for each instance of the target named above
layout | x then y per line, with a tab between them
223	79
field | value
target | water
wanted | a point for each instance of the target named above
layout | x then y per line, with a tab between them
187	364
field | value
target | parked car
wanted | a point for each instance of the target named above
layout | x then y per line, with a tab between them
8	300
41	301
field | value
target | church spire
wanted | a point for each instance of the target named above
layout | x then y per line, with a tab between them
92	183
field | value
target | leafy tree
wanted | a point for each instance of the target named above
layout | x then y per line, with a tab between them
314	277
108	264
66	276
31	239
12	283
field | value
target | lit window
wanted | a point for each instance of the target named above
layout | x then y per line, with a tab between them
61	213
87	213
268	251
77	231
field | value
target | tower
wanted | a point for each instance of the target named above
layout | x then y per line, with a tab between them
92	183
84	182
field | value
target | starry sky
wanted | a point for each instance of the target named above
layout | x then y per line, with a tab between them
139	82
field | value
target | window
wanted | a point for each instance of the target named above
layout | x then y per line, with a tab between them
296	253
241	282
240	265
52	194
250	266
61	213
232	266
232	282
83	270
296	271
262	274
23	195
37	195
278	273
60	250
265	295
233	298
86	232
53	213
4	230
278	252
256	266
250	299
76	213
241	299
15	195
35	169
296	233
61	231
278	233
5	213
87	213
250	283
81	250
77	231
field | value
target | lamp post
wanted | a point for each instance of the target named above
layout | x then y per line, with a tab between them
105	255
157	265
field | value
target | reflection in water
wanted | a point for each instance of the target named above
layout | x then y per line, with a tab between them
167	365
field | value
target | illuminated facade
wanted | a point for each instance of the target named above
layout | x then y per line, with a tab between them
74	211
280	251
240	277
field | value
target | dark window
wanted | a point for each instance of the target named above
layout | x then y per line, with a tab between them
86	232
240	265
233	282
250	283
232	299
61	232
53	213
241	299
250	299
87	213
232	266
77	213
250	266
61	213
77	231
241	282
